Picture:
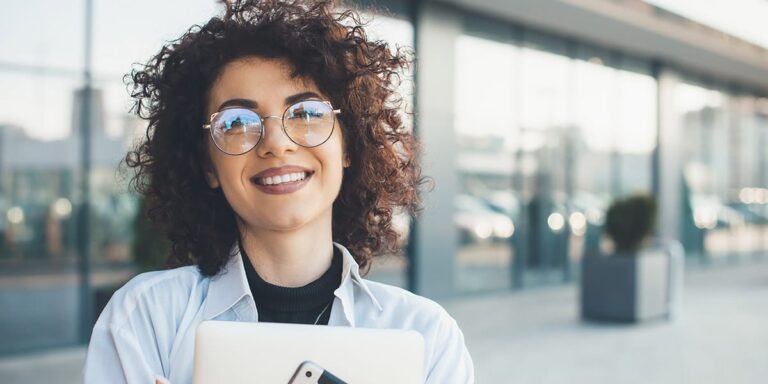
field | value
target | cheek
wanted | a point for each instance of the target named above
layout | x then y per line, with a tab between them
228	169
333	161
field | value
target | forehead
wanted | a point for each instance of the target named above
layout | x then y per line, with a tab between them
266	81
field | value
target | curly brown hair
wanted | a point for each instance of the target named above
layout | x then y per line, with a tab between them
358	74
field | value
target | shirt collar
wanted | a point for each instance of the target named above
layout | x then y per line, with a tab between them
345	292
230	285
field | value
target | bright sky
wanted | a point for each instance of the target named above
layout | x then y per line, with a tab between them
742	18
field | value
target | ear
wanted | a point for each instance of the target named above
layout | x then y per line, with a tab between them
345	150
211	178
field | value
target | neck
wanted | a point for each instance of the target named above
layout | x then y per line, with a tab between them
292	258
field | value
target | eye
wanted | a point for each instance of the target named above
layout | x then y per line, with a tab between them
236	121
308	110
304	114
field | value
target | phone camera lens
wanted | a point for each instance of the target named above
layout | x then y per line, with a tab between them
309	374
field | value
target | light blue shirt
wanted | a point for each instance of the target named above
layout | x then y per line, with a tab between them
147	331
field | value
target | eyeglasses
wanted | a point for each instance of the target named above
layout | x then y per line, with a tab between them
237	130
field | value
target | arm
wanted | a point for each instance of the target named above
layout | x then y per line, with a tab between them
115	356
126	342
451	362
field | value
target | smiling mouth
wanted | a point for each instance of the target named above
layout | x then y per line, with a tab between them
288	178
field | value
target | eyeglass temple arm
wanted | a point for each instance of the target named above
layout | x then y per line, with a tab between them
208	126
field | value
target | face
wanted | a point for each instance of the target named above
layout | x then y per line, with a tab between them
250	181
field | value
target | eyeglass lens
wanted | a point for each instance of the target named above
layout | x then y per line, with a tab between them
307	123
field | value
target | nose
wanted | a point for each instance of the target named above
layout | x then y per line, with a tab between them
275	142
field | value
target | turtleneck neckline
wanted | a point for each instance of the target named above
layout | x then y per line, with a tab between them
316	294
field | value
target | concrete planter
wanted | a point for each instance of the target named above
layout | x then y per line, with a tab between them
630	287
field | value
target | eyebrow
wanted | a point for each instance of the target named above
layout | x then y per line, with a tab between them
252	104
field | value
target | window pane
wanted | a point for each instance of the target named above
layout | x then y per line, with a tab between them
487	132
724	173
40	154
38	204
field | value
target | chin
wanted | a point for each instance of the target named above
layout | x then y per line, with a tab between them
285	216
288	225
283	222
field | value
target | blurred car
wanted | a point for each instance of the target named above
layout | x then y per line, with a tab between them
477	222
749	213
709	212
503	202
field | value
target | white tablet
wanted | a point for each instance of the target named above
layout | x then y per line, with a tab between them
238	352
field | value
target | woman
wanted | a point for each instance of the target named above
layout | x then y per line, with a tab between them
274	160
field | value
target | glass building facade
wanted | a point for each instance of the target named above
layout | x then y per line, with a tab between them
724	171
549	132
529	136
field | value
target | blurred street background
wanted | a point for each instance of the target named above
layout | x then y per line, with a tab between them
537	118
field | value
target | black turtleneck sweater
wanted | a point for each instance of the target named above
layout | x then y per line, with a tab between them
301	305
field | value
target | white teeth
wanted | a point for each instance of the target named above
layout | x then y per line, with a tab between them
287	178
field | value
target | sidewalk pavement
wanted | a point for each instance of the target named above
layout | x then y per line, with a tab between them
536	336
58	366
720	336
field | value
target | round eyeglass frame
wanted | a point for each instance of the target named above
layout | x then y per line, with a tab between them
261	125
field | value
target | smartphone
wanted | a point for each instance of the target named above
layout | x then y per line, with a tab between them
311	373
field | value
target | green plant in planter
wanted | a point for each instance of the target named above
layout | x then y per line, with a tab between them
630	221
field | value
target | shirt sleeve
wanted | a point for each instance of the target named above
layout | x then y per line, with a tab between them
123	346
451	360
114	356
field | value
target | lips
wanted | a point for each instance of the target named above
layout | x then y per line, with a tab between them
279	180
285	178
